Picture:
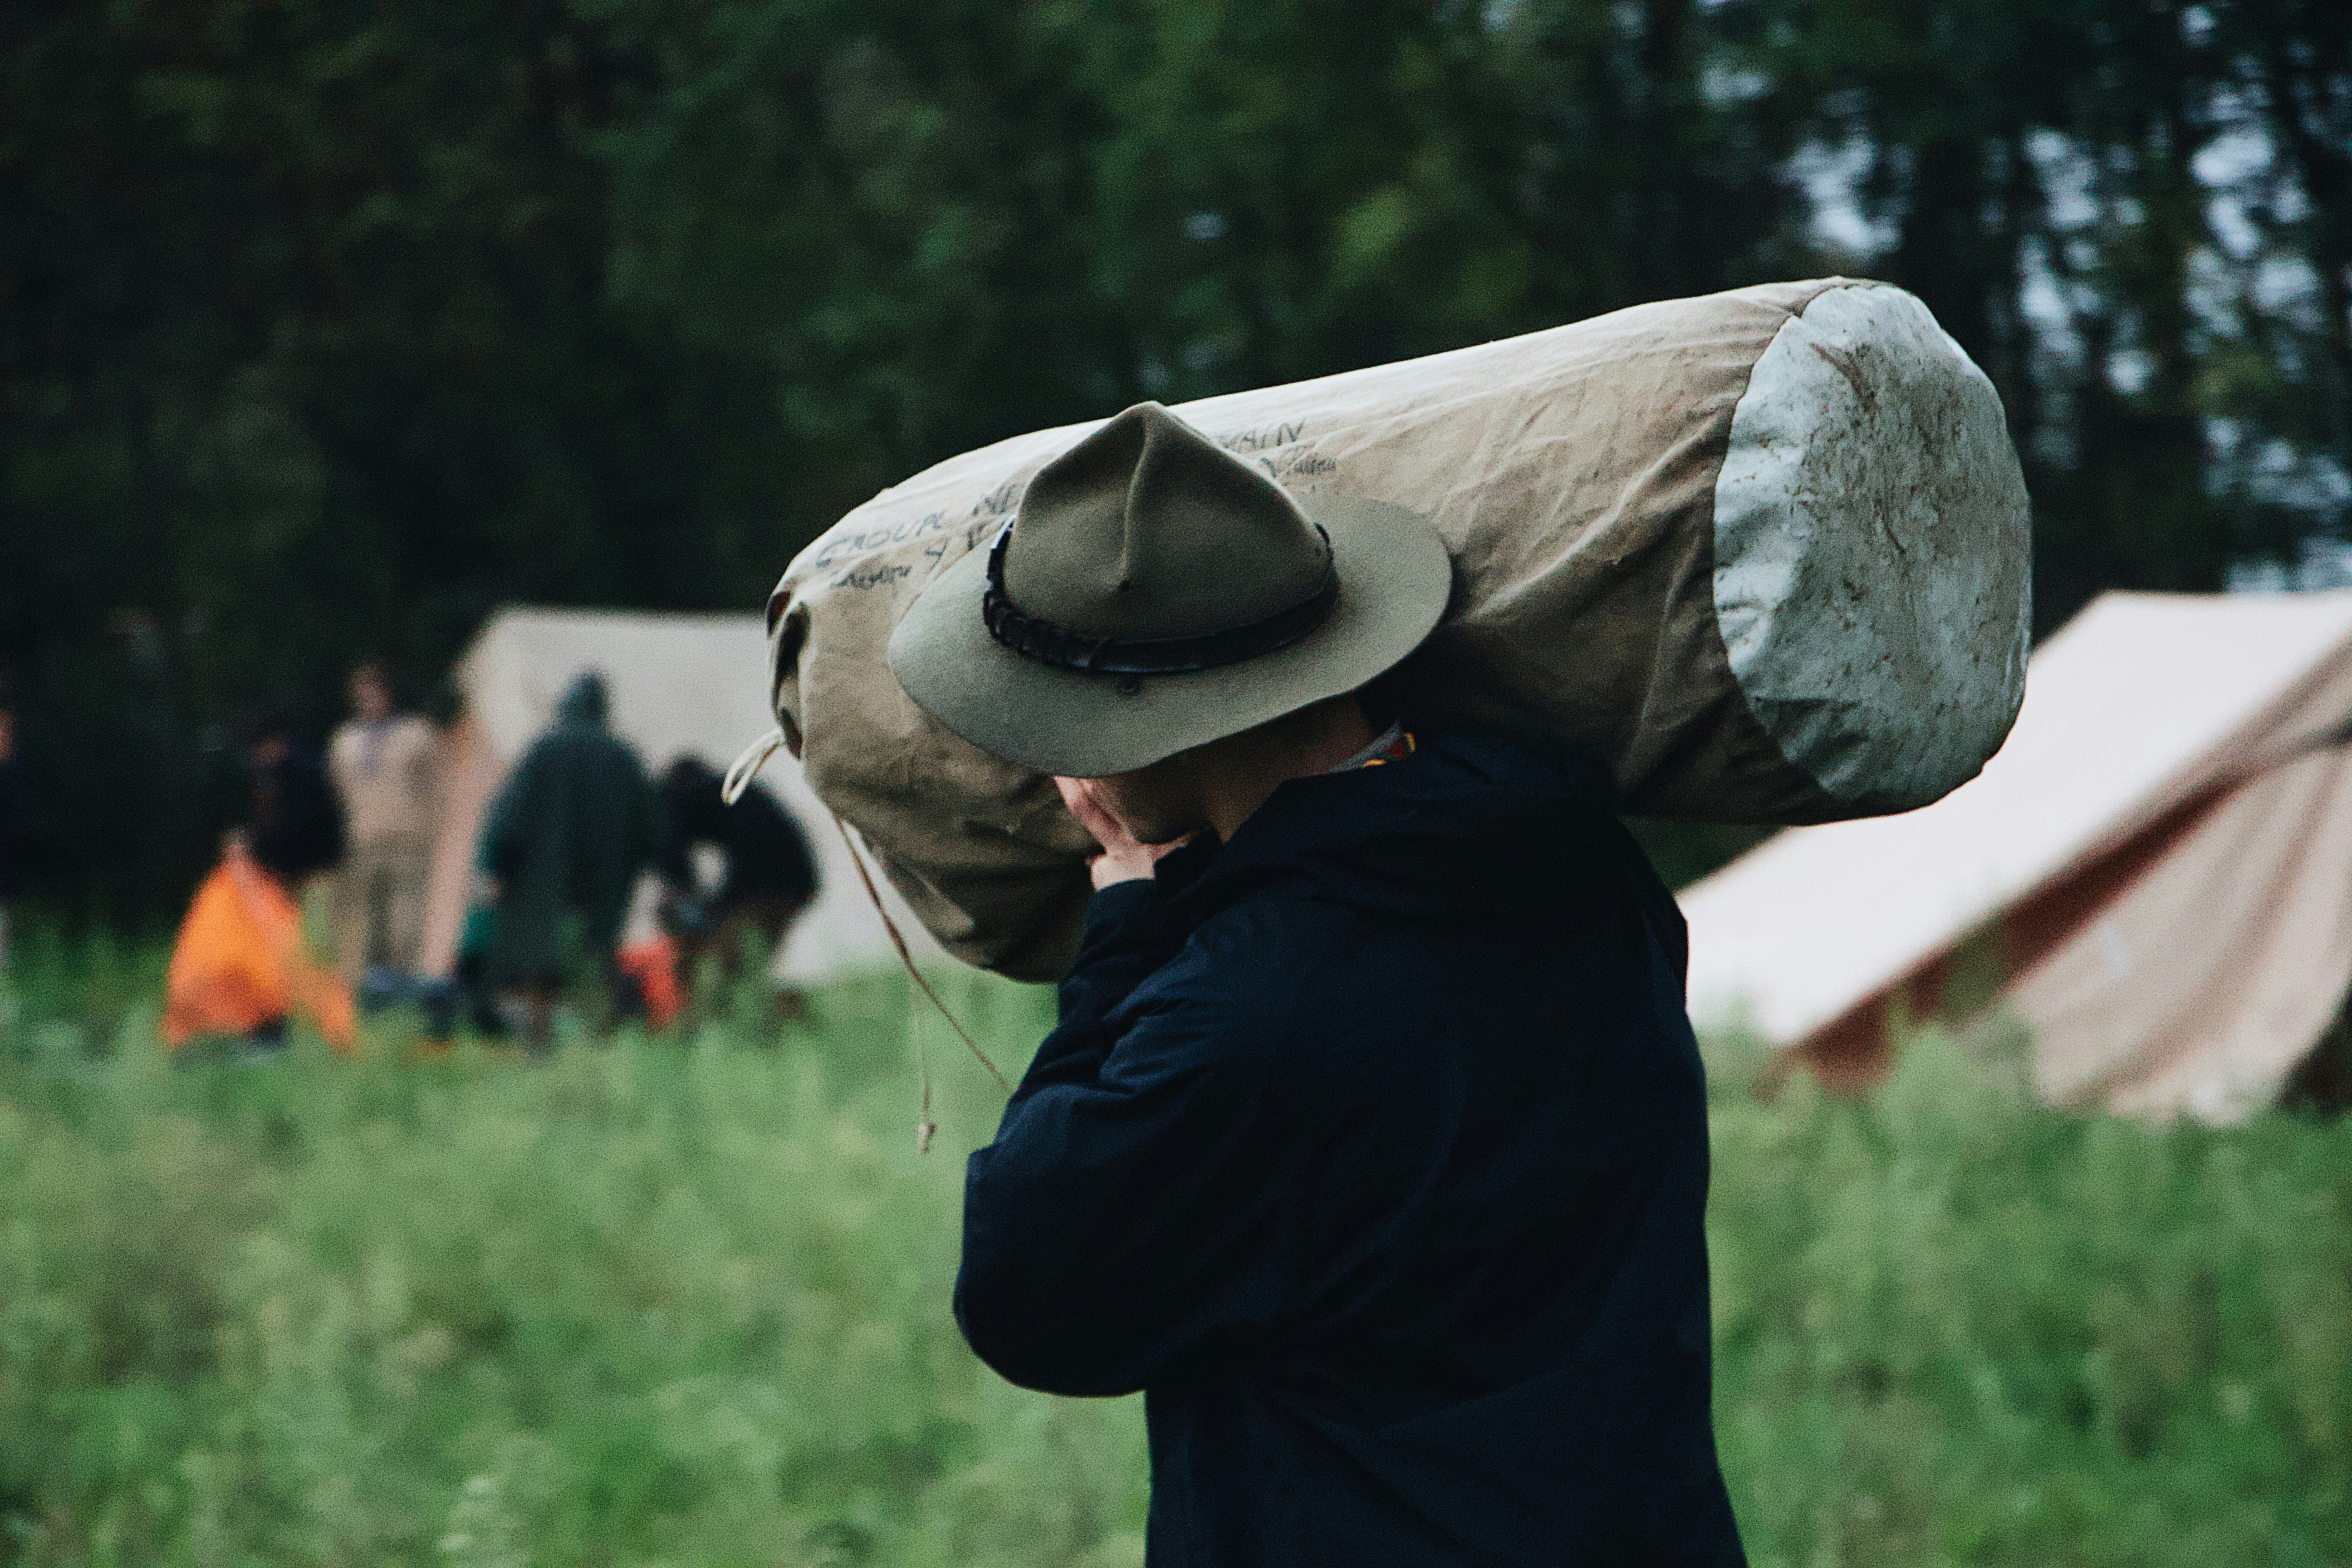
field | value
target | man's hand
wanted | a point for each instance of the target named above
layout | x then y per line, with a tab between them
1124	858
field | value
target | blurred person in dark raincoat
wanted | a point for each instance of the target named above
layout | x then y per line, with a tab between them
1372	1146
564	842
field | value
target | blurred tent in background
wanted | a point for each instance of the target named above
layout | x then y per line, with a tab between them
2155	873
680	684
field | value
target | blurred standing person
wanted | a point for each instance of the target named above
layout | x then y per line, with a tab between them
768	879
296	829
385	765
24	830
564	841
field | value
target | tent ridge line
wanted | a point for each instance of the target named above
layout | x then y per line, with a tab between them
2125	856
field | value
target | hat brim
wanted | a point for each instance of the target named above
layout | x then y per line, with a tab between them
1394	580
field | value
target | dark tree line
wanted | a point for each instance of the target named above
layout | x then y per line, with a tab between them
325	326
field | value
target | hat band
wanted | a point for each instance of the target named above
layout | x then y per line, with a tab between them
1035	637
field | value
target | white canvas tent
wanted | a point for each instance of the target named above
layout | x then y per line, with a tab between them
2155	873
680	683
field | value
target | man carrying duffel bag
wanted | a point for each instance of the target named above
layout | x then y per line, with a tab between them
1371	1145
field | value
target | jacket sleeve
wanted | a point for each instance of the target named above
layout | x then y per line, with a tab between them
1123	944
1131	1212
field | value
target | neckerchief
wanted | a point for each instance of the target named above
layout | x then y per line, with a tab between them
1394	745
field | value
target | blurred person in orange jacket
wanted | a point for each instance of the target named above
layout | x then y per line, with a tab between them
239	965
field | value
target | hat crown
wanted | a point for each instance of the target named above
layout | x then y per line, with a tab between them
1148	529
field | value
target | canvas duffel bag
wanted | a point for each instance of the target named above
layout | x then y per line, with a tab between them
1765	553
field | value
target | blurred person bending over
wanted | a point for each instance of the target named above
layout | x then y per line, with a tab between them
385	771
1371	1145
768	876
564	842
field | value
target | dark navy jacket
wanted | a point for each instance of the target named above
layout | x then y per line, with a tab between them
1372	1147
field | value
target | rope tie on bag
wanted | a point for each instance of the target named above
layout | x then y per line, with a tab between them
739	774
925	1127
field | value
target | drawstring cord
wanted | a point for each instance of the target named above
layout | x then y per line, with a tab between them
748	763
745	768
898	941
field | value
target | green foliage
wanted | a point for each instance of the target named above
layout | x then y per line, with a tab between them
656	1302
688	1303
1955	1328
2140	219
328	328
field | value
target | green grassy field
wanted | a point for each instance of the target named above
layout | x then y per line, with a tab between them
686	1303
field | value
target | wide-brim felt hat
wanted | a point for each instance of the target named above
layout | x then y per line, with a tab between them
1154	592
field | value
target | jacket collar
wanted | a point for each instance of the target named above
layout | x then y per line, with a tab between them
1465	819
